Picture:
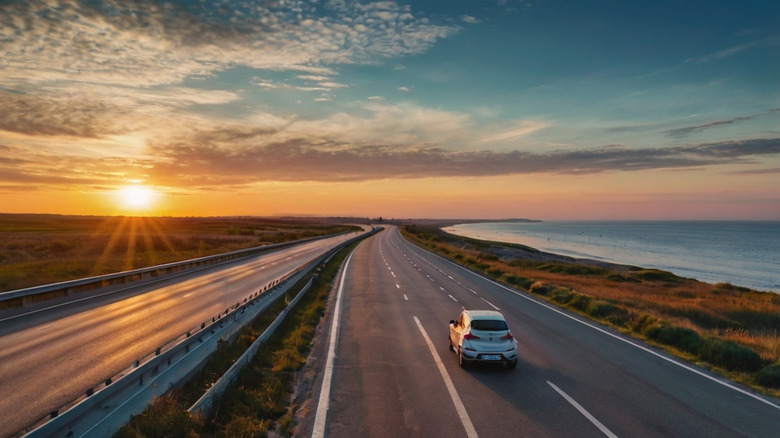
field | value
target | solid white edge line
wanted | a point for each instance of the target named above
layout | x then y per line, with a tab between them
321	418
464	416
583	411
646	349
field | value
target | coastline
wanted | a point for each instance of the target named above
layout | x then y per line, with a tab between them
730	269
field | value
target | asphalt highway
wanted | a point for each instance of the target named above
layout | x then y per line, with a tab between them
51	355
390	372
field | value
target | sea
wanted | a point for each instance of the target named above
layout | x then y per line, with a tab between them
743	253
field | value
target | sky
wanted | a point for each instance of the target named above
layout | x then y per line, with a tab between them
548	109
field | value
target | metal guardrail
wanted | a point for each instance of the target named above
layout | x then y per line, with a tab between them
28	296
101	411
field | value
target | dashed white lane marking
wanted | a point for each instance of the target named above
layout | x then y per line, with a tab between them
393	274
397	286
406	298
464	416
641	347
453	298
441	288
490	304
584	412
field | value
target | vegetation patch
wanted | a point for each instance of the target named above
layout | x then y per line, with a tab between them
683	338
656	275
769	376
260	400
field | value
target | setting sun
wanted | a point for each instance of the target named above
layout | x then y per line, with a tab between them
136	197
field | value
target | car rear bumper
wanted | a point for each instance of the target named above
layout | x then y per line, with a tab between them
474	356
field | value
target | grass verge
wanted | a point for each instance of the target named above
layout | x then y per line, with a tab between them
260	400
729	329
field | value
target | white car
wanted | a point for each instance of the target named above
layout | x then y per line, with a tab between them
482	336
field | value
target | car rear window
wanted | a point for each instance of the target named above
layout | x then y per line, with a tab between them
488	324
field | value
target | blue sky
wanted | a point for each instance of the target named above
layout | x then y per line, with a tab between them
548	109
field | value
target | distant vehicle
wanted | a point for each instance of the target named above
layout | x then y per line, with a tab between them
482	336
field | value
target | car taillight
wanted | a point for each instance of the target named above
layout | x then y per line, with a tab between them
507	337
469	336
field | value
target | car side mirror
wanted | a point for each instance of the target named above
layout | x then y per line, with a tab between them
452	322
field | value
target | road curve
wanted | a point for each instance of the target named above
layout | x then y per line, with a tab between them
574	378
51	356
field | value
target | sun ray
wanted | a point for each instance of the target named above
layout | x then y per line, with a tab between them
131	240
116	235
163	236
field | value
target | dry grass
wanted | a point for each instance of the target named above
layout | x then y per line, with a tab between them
42	249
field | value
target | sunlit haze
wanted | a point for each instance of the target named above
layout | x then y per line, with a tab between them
546	109
136	197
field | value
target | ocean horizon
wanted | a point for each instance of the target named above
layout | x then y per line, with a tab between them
743	253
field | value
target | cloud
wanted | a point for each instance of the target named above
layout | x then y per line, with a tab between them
142	43
688	130
404	89
66	115
758	171
735	50
290	155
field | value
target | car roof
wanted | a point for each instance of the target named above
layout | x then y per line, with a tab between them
485	314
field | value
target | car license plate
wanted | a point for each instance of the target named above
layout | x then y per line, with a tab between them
491	357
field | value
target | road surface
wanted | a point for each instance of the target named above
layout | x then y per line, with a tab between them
52	356
393	375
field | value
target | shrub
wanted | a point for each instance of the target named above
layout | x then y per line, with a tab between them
539	288
657	275
680	337
247	427
163	418
495	272
769	376
572	269
581	302
602	309
563	295
519	280
482	266
730	355
641	324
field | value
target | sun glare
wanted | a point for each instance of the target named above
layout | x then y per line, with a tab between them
136	197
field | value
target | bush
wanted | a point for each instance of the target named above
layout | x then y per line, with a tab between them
247	427
769	376
601	309
641	324
495	273
572	269
519	280
562	295
580	302
680	337
730	355
539	288
657	275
